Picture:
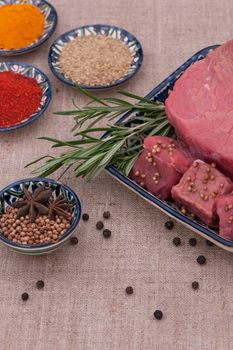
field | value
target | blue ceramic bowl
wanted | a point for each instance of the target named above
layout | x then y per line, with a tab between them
42	79
50	15
14	191
96	29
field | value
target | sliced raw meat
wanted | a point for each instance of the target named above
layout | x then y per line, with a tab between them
160	180
199	188
141	168
225	213
200	107
168	151
160	166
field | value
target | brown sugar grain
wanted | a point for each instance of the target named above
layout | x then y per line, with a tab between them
95	60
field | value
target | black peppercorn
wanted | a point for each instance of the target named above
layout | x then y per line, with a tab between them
106	215
195	285
209	243
158	314
201	260
74	240
129	290
85	217
25	296
100	225
40	284
169	225
176	241
192	242
107	233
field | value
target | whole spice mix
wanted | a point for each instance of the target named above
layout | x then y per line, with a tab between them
36	218
20	97
20	25
95	60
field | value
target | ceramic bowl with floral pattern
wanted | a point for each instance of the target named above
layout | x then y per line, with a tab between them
14	191
50	16
29	71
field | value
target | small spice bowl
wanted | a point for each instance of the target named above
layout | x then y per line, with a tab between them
103	30
50	17
17	191
41	78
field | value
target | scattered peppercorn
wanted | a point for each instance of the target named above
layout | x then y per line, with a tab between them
201	260
107	233
158	314
74	240
129	290
25	296
40	284
195	285
176	241
192	242
209	243
169	225
99	225
106	214
85	217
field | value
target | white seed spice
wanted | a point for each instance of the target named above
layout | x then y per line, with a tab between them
95	60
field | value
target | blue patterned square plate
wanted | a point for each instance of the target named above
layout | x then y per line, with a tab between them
96	29
160	93
50	15
41	78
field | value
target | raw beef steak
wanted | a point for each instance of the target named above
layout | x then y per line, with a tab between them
225	213
200	107
199	188
160	166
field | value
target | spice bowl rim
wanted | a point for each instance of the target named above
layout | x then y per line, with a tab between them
43	247
37	114
40	42
98	26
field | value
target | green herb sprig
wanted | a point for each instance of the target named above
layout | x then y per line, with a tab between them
122	143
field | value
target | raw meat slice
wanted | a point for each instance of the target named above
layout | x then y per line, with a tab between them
169	151
200	107
199	188
225	213
160	165
141	168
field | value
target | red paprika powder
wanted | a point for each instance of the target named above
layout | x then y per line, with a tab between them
20	97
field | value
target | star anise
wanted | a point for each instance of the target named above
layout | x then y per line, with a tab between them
33	204
59	206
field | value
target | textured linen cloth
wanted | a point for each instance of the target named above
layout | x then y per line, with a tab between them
83	304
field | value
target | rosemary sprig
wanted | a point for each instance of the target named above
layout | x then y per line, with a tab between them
121	144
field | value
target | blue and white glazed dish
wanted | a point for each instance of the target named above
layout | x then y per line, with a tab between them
41	78
14	191
161	93
96	29
50	16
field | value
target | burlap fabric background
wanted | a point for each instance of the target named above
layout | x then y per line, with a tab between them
83	305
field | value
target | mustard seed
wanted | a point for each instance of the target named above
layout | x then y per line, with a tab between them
107	233
201	260
193	242
74	240
106	214
169	225
195	285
